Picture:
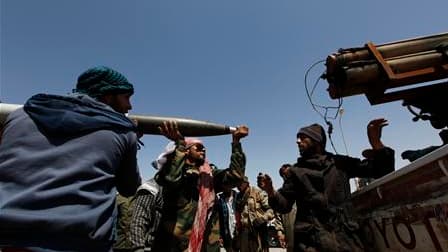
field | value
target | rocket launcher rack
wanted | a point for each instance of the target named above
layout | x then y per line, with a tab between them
375	70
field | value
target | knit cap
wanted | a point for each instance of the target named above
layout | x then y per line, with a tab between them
101	80
315	132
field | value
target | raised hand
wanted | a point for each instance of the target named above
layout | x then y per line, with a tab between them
170	130
240	132
265	183
374	130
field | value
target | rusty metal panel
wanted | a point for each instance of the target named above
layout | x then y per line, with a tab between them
408	209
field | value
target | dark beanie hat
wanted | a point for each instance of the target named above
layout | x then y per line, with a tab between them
315	132
101	80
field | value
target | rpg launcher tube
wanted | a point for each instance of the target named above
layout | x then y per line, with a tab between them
149	124
188	127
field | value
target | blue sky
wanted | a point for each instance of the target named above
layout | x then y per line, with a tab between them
231	62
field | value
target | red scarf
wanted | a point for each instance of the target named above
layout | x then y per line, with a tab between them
205	203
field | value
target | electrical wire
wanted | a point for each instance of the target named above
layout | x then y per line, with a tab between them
316	107
341	112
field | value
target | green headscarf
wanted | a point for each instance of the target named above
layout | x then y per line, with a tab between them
101	80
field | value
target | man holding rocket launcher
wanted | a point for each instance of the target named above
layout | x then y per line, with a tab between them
190	220
62	159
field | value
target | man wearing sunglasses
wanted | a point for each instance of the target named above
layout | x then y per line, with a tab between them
190	218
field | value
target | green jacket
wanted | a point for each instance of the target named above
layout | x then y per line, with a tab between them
124	216
254	208
181	195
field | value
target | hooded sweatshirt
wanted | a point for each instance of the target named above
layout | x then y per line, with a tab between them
62	158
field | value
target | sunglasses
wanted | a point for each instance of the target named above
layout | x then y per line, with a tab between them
198	147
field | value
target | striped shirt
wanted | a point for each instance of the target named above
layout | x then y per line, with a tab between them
147	212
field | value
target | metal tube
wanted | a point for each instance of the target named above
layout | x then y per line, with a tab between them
388	50
188	127
357	77
149	124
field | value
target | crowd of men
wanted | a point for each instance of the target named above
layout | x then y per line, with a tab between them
68	168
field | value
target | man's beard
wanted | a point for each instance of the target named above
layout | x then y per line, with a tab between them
199	161
306	152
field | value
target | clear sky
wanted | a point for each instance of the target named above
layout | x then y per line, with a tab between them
225	61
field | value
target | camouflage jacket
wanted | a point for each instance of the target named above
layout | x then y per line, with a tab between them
124	216
180	196
254	208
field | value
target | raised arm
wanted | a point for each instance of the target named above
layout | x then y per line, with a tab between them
240	132
280	201
171	172
235	173
378	161
374	130
238	158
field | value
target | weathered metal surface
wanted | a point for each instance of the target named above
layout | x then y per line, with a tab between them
376	68
407	210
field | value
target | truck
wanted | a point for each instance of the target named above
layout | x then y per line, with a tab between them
406	210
